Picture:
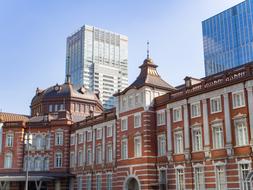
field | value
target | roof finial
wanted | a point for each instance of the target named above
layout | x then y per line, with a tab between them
147	49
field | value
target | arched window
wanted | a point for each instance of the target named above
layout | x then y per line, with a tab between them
8	160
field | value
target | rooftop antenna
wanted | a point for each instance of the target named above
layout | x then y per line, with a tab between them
147	49
68	72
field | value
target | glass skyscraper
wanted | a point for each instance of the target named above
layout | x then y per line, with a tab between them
98	59
228	38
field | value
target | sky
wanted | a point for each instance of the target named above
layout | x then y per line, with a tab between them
33	39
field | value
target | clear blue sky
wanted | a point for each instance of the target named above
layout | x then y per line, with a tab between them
33	39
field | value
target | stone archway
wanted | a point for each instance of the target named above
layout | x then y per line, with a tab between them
132	183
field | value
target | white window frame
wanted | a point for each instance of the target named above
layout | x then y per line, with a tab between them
199	177
89	156
177	114
109	129
8	160
72	159
57	163
244	185
216	144
98	182
137	116
124	154
242	138
197	141
109	181
137	146
198	110
80	158
124	128
80	138
9	139
89	136
79	183
59	138
88	182
219	104
178	148
179	175
160	117
161	144
99	154
99	133
161	181
72	139
109	158
221	184
241	102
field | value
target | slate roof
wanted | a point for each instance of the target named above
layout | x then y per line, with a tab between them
148	77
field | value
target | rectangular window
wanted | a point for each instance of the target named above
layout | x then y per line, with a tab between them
162	180
137	99
88	182
218	141
109	131
179	143
98	182
160	117
8	160
59	138
109	182
137	120
161	145
89	136
124	124
180	179
241	132
99	134
199	180
197	139
72	139
220	178
72	159
80	158
177	114
80	138
244	171
130	101
98	155
195	110
9	140
109	153
58	160
79	183
89	156
124	103
215	104
124	149
50	108
238	99
137	146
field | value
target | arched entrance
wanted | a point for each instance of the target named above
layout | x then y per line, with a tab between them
132	183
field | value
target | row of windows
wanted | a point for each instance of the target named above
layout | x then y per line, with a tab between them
199	177
98	132
241	133
215	107
137	147
98	182
137	122
132	100
85	158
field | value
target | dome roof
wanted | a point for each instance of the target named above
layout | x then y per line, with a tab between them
66	90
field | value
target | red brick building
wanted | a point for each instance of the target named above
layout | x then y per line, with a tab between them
198	135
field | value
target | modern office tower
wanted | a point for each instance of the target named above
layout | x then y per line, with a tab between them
228	38
98	59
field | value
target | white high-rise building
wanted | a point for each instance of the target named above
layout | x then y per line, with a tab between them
98	59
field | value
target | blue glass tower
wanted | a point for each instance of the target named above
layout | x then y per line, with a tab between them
228	38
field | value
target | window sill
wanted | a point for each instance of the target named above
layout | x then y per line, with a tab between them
237	107
192	117
215	112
